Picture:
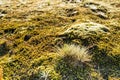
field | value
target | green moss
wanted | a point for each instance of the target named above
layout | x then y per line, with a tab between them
70	72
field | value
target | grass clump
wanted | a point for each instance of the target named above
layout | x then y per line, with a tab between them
74	62
75	52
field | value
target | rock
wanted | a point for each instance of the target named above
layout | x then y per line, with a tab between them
85	31
97	9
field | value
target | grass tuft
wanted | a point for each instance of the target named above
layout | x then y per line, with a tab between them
75	53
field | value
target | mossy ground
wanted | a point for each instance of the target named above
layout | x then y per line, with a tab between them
31	41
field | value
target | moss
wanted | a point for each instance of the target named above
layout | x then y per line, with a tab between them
3	47
70	72
31	42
